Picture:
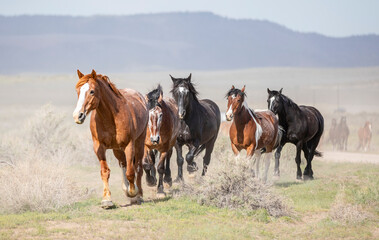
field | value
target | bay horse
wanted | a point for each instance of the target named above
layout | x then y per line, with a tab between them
333	134
365	135
303	126
199	125
118	122
255	131
163	128
343	134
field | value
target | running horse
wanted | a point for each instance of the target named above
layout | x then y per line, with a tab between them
199	124
303	127
255	131
161	136
343	134
365	135
118	122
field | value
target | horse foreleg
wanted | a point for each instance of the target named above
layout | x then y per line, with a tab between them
161	170
236	151
191	165
208	152
132	190
167	174
277	157
179	161
148	166
105	173
299	146
120	155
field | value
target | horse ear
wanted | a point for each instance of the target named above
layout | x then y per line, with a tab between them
146	99
80	75
233	87
160	98
280	91
172	78
189	77
243	89
93	74
268	91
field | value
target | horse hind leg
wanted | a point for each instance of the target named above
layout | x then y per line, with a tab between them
277	158
299	146
179	161
308	173
267	159
207	157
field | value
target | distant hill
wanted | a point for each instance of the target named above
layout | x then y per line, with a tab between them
201	41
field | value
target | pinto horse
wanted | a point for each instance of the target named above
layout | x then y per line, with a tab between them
161	136
199	125
256	132
365	135
303	126
118	121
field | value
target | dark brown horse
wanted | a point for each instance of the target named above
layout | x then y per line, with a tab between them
118	121
256	132
161	135
333	134
343	134
365	135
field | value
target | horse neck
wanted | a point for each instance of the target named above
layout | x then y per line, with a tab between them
193	108
108	105
290	113
242	117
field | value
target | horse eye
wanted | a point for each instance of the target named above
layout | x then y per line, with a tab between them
92	92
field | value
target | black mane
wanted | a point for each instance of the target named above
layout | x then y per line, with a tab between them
184	82
235	91
153	96
289	102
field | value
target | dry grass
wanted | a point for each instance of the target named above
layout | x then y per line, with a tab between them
229	183
33	165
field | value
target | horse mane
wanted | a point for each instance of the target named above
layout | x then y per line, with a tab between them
104	79
190	86
153	96
289	102
235	91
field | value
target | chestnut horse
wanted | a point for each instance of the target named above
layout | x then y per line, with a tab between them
118	121
257	132
365	135
161	135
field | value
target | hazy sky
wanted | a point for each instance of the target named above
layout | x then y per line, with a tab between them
329	17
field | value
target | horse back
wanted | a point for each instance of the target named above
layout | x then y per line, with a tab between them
314	121
269	124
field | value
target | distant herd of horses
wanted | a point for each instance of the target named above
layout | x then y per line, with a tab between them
339	134
137	127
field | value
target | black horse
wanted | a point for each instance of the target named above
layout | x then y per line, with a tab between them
199	125
303	126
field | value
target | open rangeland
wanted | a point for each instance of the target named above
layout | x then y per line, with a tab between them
51	187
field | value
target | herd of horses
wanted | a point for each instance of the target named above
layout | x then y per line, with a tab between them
339	134
137	127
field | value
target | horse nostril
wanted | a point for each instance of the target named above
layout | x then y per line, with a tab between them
81	115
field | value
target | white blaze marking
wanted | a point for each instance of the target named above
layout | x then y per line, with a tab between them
81	98
258	131
183	89
271	101
230	111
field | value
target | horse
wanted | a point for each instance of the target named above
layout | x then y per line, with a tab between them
303	126
343	134
118	122
365	135
333	134
255	131
199	125
163	128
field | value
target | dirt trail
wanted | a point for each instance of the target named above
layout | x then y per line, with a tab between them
350	157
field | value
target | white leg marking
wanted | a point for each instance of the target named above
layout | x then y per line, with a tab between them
81	99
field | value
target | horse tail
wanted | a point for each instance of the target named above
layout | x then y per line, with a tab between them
199	150
318	154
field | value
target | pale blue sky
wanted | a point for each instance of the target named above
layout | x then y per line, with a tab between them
329	17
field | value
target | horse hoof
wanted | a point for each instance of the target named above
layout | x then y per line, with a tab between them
132	194
107	204
179	180
134	200
306	177
151	181
167	184
192	167
161	195
192	175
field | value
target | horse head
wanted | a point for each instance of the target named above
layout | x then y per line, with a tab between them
236	99
274	100
184	93
154	103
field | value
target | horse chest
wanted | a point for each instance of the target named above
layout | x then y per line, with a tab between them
184	135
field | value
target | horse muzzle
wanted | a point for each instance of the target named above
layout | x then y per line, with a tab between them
155	140
229	117
79	117
182	114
